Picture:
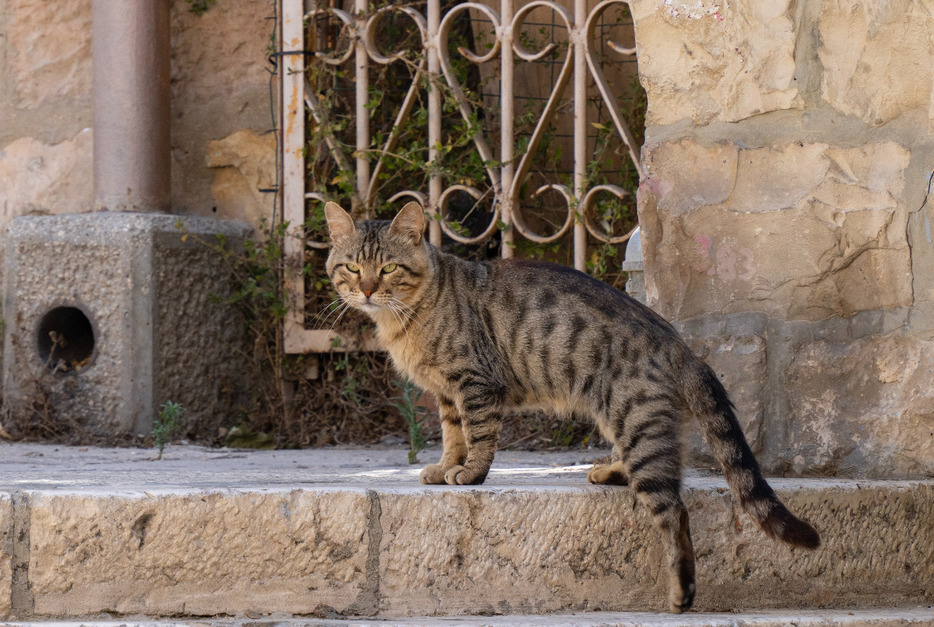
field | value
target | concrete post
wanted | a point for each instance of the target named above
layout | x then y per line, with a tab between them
633	264
131	105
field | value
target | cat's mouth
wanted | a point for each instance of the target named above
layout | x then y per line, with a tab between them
367	305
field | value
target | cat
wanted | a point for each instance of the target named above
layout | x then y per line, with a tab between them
490	337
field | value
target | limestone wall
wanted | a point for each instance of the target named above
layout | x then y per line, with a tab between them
786	219
221	153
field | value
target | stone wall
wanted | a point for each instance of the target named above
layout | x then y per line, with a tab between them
220	109
786	219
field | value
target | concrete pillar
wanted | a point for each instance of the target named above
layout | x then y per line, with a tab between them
131	105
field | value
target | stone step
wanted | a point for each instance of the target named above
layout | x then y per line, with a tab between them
890	617
210	532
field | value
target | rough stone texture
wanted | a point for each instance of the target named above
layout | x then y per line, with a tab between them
878	418
844	397
504	551
38	178
138	282
45	69
710	61
219	84
199	553
792	243
244	163
6	554
544	550
849	251
857	51
212	531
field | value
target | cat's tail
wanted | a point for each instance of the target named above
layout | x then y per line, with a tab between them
708	399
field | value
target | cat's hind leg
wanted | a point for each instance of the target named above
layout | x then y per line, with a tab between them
652	457
453	443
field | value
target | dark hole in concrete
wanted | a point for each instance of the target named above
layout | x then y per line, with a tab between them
65	339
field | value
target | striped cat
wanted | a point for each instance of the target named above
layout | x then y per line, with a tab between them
489	337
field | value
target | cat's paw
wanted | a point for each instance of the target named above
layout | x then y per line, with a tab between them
612	474
458	475
681	600
432	474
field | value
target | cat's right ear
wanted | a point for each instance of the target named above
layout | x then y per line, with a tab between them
340	223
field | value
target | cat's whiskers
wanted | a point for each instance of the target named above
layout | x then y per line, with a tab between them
410	313
343	309
321	318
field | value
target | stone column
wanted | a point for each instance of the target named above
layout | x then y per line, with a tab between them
131	105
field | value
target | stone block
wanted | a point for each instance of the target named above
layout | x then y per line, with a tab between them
864	75
244	163
39	178
535	550
49	50
858	407
109	315
736	347
6	555
797	231
541	550
200	553
709	61
232	40
837	397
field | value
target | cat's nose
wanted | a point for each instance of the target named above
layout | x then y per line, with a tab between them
368	287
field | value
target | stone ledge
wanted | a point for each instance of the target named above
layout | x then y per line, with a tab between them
889	617
350	532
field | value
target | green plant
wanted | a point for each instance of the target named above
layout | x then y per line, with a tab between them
412	412
198	7
166	424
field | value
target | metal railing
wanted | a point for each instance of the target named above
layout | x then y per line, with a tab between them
507	170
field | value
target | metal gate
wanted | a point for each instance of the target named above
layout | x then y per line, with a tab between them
507	169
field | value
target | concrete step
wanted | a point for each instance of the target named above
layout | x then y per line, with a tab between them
916	617
209	532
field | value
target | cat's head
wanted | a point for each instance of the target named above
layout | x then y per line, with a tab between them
378	265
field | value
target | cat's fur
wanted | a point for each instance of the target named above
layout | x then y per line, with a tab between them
489	337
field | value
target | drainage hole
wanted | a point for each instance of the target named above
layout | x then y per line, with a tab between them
65	339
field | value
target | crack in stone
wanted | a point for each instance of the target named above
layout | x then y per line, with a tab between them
367	602
22	600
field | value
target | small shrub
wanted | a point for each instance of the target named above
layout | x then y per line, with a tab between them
166	423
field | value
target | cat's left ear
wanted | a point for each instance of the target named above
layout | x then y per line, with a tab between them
340	223
409	222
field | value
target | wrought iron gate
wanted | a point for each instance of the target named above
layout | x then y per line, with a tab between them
507	169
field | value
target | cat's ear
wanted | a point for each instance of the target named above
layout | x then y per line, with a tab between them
409	222
339	221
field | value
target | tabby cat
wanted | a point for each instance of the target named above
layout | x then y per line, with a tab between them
489	337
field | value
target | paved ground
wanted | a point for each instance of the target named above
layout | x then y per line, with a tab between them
45	467
52	467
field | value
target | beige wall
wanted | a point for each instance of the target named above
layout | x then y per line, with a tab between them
786	224
221	153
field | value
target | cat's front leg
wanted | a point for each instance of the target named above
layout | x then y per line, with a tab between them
481	431
453	443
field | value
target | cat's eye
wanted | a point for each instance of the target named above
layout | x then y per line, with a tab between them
389	267
353	268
